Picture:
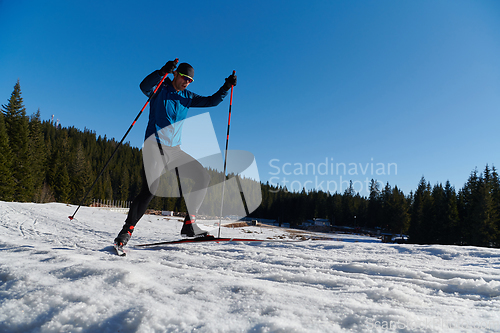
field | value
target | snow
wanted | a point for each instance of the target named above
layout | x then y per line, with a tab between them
58	275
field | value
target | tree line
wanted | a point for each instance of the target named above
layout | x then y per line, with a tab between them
42	162
436	214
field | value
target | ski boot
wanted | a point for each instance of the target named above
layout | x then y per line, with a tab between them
124	235
191	229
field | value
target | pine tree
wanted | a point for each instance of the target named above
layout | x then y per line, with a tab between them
374	205
80	175
480	210
6	182
107	187
57	173
124	185
38	154
16	124
420	213
395	210
495	192
469	198
349	206
489	229
451	223
462	215
387	213
62	186
436	226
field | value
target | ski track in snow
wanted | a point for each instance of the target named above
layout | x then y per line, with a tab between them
58	275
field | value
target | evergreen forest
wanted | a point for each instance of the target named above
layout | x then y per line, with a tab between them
43	162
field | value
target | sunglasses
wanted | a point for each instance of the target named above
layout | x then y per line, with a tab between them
187	78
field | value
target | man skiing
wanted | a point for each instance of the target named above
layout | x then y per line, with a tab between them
168	109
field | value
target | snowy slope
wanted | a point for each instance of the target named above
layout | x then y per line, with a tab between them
58	275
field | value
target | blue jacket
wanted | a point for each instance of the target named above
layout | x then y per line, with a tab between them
168	108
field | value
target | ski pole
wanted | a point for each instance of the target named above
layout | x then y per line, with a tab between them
121	141
225	157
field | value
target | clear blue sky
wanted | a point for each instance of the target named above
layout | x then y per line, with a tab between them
376	84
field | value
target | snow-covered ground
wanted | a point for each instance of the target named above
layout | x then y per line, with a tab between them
58	275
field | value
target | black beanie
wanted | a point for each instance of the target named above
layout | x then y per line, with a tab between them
186	69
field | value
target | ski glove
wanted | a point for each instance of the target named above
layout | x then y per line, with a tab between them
230	81
168	68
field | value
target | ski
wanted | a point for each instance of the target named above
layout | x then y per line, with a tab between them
218	239
119	250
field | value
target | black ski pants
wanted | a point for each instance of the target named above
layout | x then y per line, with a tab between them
186	167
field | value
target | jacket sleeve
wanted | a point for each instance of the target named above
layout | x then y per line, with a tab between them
150	82
207	101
